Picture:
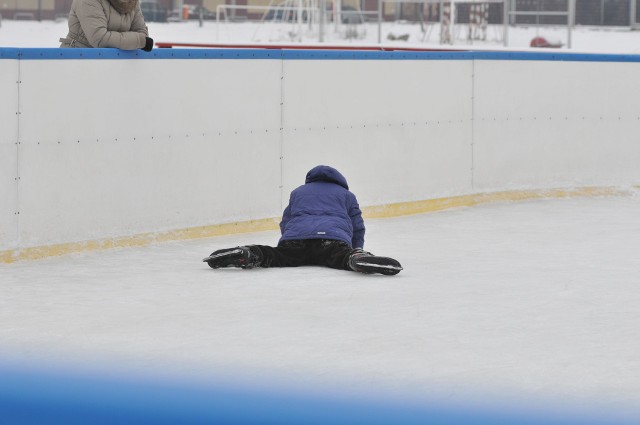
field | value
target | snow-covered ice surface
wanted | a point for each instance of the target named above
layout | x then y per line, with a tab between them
513	303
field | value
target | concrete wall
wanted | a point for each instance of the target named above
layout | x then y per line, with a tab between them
99	143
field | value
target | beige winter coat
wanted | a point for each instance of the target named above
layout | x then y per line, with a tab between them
104	23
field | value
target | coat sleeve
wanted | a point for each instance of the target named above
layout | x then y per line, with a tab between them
358	224
93	21
286	216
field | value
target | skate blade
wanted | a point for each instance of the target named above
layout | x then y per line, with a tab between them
373	264
222	254
379	266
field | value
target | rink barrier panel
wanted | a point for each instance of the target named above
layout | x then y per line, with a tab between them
376	130
145	153
444	143
9	116
573	125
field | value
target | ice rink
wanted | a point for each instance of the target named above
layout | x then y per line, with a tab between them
532	302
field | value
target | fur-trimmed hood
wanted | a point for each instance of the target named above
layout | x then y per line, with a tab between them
124	6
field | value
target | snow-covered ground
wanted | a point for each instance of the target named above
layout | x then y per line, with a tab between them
591	39
531	303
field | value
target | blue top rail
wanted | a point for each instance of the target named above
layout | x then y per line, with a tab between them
302	54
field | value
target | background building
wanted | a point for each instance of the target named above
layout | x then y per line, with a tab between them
587	12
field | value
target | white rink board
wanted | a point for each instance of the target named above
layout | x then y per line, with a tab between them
392	127
142	154
430	161
126	99
121	147
8	153
542	124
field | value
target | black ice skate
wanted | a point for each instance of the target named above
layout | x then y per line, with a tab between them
365	262
242	256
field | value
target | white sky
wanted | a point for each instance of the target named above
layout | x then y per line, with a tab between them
531	302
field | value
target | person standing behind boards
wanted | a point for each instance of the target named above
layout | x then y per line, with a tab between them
107	23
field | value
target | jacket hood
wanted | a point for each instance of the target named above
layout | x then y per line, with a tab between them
124	6
324	173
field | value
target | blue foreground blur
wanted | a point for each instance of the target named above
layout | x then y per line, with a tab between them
37	397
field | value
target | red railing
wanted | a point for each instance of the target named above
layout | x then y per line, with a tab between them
162	44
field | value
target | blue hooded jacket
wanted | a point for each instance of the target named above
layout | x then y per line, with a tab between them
323	208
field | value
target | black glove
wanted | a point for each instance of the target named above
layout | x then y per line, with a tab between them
148	45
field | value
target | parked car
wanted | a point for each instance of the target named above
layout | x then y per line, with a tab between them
153	12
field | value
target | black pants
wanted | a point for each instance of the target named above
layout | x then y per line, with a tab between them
317	252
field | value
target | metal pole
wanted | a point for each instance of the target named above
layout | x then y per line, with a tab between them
505	22
440	15
453	22
380	21
512	18
571	19
218	22
323	8
180	6
299	20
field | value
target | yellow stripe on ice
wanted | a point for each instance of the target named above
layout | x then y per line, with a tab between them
438	204
143	239
381	211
